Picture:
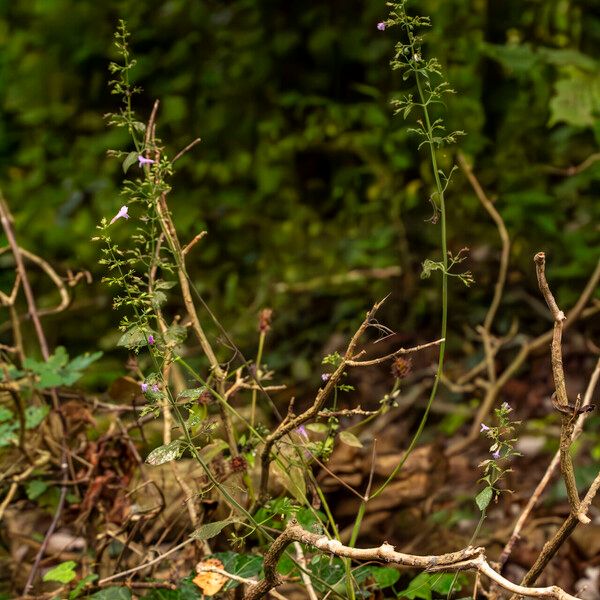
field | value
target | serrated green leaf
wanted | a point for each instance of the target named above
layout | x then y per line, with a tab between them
62	573
350	439
35	488
158	299
210	530
191	393
113	593
484	498
165	453
135	337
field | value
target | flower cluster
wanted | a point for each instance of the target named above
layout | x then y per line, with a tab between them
501	449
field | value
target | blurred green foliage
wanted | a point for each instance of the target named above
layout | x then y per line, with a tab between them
302	171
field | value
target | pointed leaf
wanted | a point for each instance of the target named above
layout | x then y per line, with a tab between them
129	160
165	453
350	439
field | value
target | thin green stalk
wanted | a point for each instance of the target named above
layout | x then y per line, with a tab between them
444	326
259	353
471	542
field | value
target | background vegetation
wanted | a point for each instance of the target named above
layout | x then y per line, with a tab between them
315	200
302	172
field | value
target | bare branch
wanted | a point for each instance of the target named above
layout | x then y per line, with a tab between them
466	559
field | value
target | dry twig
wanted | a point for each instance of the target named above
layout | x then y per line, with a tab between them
466	559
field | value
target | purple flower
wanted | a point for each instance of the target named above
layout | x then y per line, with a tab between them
144	387
484	427
381	25
506	406
301	431
496	455
151	339
142	160
325	376
155	388
122	214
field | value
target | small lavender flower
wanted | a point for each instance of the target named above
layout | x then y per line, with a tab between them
325	376
155	388
484	427
496	454
151	339
381	25
144	387
301	431
142	160
122	214
506	406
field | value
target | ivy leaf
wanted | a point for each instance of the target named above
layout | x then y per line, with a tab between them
350	439
63	573
484	497
165	453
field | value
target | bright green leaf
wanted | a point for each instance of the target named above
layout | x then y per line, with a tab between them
62	573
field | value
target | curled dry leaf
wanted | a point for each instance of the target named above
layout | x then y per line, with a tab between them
209	583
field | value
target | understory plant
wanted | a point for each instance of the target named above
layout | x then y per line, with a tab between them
257	513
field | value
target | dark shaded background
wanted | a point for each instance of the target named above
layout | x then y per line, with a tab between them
303	171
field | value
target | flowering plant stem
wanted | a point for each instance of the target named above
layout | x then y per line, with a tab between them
443	329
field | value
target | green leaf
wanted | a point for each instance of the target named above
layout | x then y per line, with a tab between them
442	583
317	427
384	576
134	337
83	361
62	573
113	593
175	334
7	434
191	394
165	453
35	488
6	414
484	497
244	565
76	592
164	285
210	530
419	587
34	415
350	439
129	160
576	99
208	452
